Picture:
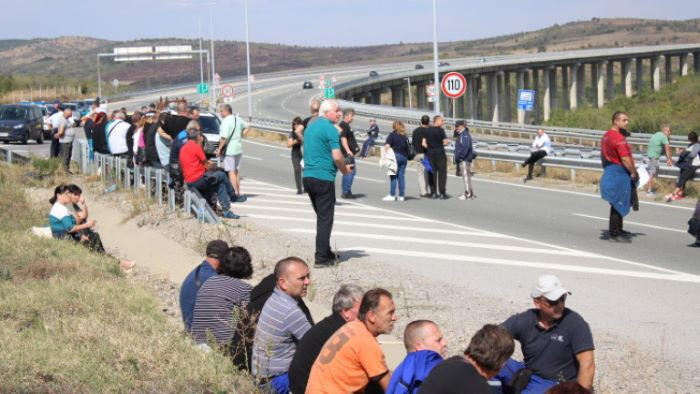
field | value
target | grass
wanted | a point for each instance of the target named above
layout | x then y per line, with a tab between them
674	104
72	323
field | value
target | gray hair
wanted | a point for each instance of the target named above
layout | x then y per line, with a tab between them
120	115
193	125
327	106
346	297
314	106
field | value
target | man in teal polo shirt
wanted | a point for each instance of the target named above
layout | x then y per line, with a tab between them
658	143
322	158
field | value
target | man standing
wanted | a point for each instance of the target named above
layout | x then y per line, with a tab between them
426	347
195	279
281	325
174	124
352	357
464	155
619	174
346	305
556	342
55	120
488	350
322	158
434	141
232	130
348	146
424	177
65	136
658	143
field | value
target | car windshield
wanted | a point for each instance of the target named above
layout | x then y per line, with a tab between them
210	124
12	113
73	107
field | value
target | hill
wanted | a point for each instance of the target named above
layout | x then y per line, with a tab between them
75	57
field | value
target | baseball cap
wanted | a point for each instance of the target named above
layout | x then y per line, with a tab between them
460	123
549	287
217	248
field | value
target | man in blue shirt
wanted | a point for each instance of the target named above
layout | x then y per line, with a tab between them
195	279
426	347
322	158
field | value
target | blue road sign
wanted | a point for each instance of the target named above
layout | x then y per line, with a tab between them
526	99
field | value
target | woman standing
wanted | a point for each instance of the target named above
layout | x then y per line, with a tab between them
296	137
397	142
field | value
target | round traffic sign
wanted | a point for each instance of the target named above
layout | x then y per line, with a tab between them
227	91
453	85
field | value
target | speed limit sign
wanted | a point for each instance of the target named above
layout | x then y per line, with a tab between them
227	91
453	85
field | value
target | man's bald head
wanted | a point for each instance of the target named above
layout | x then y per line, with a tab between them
424	335
315	106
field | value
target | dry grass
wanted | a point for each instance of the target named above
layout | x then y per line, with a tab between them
72	323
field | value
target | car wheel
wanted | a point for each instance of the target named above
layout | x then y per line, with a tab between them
40	139
25	138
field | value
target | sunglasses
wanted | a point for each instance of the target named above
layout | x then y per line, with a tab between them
561	299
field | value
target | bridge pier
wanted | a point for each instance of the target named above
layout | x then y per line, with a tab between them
520	84
536	87
376	97
573	86
669	69
610	80
564	87
639	68
600	84
696	61
397	96
549	77
493	96
684	64
459	106
627	76
508	97
420	95
471	89
656	73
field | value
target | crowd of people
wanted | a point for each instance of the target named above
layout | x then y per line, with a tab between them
268	331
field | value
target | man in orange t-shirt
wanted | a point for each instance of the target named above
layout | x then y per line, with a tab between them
352	357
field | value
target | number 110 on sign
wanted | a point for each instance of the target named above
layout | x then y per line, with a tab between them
453	85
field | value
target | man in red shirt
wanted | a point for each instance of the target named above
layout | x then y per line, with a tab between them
194	166
619	174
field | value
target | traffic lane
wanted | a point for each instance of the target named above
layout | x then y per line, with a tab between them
538	214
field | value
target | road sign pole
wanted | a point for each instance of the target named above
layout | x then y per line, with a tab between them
247	56
99	79
435	59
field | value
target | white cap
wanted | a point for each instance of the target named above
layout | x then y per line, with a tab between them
102	108
549	287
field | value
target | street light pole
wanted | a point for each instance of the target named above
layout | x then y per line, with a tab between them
247	55
410	103
435	60
99	79
213	61
201	63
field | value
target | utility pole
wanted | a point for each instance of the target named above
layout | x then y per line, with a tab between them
213	62
436	74
247	54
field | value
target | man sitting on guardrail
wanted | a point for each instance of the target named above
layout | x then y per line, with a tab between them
201	174
541	147
658	143
619	175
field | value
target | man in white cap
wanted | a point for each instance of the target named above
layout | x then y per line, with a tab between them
556	342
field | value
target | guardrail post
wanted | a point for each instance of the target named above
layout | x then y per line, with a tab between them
9	156
573	175
147	176
171	200
159	186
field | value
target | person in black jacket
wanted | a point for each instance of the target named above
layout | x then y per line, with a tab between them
463	156
434	141
424	177
242	342
694	226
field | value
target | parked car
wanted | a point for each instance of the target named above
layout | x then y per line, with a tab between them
46	124
21	123
308	85
419	66
373	74
210	128
482	59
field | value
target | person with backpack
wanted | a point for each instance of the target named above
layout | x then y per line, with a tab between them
464	155
688	162
694	226
398	143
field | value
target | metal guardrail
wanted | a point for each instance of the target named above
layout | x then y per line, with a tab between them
154	182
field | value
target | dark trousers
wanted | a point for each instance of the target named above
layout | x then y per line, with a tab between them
55	149
438	161
322	195
615	229
296	163
534	157
66	153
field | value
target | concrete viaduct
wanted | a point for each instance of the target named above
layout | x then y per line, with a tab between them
562	80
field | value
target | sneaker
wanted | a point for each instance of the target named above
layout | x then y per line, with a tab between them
230	215
240	199
389	197
669	197
400	198
348	196
651	193
300	192
444	196
126	265
472	196
677	197
527	178
463	197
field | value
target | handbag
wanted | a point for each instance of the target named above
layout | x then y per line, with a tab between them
426	164
411	150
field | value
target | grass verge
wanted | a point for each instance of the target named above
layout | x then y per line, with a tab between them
70	322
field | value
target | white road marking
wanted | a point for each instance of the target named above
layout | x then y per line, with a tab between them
252	157
632	223
347	234
680	277
371	179
310	211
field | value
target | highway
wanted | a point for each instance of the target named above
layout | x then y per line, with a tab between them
495	245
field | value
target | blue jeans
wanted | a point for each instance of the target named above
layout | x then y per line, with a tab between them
277	385
221	186
401	162
347	180
91	149
537	384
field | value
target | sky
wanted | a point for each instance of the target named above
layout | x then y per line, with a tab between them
315	22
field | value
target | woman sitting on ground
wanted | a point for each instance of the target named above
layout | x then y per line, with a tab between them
222	299
78	208
541	147
65	225
685	163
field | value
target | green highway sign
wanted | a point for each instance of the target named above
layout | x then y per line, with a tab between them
202	88
329	93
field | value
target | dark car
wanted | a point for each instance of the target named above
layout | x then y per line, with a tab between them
21	123
373	74
443	64
308	85
419	66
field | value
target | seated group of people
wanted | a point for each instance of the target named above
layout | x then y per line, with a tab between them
68	219
268	331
